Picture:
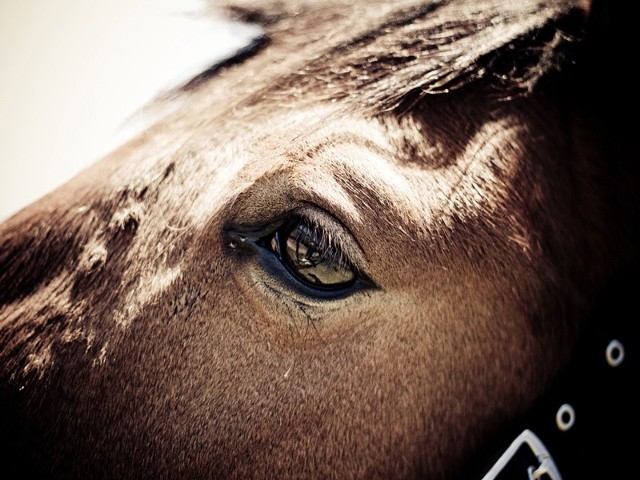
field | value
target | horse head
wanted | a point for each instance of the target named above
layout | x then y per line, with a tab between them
363	248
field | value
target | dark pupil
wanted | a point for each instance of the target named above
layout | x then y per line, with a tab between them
313	260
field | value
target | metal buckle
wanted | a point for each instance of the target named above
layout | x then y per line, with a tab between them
546	464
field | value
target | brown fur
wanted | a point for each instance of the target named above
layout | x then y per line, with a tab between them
137	341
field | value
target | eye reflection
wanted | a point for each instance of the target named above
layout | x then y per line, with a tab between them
311	255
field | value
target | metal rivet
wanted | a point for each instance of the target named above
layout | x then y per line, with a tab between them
615	353
566	417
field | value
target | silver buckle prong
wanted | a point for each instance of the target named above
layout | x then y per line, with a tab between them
546	467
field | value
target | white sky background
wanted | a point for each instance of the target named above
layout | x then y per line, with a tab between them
73	71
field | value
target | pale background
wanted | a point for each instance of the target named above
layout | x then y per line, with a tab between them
73	73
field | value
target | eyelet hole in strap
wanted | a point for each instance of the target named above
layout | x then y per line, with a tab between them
615	353
565	417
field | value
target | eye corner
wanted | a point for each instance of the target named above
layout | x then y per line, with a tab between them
234	241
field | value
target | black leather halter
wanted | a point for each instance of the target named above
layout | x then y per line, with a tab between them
587	425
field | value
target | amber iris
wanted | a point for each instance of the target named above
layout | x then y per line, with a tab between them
312	257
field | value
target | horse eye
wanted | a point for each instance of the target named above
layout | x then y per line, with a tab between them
311	256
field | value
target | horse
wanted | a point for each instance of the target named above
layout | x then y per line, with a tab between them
370	245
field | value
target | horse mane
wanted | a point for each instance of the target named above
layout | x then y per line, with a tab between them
416	49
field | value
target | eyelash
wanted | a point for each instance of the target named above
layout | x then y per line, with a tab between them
331	244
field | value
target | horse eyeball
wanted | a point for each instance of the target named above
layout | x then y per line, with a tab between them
314	258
